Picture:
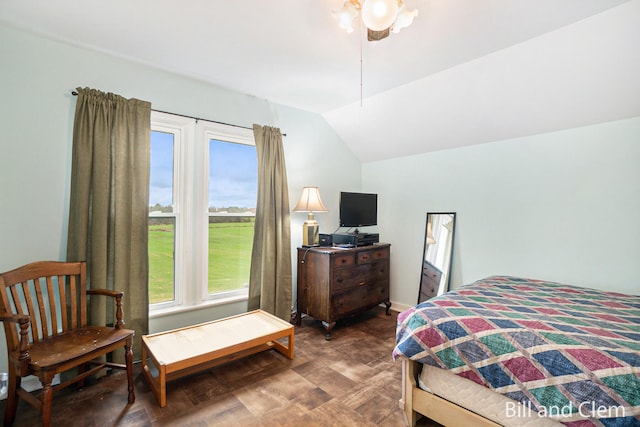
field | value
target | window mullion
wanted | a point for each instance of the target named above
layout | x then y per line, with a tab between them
201	169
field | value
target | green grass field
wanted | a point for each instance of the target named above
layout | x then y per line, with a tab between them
229	258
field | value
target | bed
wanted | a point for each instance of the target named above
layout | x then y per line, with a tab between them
519	352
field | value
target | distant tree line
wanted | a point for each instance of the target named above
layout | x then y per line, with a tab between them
231	209
212	219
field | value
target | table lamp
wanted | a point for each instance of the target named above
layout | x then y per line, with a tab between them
311	202
430	239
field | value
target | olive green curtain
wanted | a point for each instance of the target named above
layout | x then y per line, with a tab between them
109	203
270	284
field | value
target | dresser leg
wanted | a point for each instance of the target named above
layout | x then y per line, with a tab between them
388	305
328	327
296	318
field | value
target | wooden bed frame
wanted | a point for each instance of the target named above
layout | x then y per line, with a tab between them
418	402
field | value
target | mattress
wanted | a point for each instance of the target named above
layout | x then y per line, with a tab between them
569	353
479	399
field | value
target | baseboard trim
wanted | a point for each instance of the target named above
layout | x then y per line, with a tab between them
396	306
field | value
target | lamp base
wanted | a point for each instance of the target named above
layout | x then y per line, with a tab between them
310	232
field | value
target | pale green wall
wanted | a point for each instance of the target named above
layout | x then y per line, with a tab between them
36	123
561	206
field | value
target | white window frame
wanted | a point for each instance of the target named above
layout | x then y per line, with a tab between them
190	183
207	131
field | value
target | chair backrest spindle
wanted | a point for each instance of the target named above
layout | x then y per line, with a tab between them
40	308
63	304
74	307
53	311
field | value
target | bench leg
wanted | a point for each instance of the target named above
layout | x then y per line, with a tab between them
162	392
286	350
290	349
157	384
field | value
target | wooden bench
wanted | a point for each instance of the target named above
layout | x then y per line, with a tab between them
173	354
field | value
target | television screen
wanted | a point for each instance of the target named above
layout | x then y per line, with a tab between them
358	209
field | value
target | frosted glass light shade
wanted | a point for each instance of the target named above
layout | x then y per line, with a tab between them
404	19
378	15
346	15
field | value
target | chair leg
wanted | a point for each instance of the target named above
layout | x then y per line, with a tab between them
47	401
12	397
80	384
128	357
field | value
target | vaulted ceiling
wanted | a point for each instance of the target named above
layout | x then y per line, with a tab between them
466	72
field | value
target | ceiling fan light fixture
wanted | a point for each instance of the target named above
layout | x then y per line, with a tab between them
404	19
346	15
378	15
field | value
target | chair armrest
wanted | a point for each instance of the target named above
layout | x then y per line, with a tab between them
118	297
105	292
16	318
24	321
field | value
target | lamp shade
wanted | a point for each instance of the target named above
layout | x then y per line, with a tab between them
310	201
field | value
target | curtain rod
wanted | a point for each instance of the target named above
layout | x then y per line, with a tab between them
74	93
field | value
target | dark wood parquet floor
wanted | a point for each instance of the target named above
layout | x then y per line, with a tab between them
348	381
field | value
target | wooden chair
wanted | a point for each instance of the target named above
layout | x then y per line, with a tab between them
44	309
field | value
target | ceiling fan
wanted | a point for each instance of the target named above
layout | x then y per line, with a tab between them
380	17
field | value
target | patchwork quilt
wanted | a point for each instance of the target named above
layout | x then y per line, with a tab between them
568	353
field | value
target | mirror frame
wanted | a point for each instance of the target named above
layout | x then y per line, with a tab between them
426	288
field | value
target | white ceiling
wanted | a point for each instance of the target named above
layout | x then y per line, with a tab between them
465	72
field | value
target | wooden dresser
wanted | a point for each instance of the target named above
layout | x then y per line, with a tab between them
334	283
430	284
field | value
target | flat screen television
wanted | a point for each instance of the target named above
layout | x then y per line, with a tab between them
358	209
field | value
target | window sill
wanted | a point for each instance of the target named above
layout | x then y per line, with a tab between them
153	314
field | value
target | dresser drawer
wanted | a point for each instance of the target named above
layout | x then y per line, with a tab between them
365	257
344	278
379	254
357	298
428	287
430	272
343	260
380	270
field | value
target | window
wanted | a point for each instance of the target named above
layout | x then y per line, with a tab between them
202	198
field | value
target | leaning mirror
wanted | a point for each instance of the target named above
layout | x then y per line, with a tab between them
438	250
